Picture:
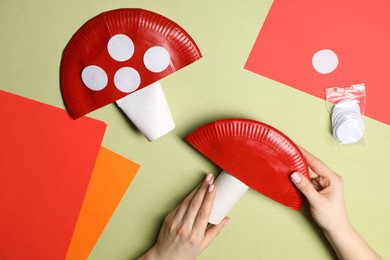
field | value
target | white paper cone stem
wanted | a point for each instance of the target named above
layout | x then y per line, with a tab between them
148	109
229	191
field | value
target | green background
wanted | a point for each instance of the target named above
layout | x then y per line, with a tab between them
33	36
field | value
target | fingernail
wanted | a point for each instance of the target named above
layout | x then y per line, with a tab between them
211	188
208	177
296	177
227	222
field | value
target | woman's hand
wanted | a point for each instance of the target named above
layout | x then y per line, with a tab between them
325	193
184	233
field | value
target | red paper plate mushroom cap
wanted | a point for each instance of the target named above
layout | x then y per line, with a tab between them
255	153
119	52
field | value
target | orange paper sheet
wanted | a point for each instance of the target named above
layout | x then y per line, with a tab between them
356	31
46	161
111	177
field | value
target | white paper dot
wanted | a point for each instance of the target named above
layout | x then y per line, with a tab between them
325	61
157	59
120	47
127	79
347	122
350	131
94	77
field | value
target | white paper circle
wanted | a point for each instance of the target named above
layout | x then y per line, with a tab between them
347	122
94	77
120	47
127	79
350	131
157	59
325	61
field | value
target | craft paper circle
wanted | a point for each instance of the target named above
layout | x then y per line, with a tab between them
350	131
325	61
94	77
127	79
120	47
157	59
347	122
350	104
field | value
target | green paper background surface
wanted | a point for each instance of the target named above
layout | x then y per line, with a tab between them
33	36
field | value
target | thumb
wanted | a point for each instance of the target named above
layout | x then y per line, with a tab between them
305	186
213	232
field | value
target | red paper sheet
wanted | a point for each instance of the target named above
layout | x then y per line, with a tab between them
46	162
111	177
357	31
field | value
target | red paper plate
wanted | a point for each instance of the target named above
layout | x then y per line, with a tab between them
257	154
88	47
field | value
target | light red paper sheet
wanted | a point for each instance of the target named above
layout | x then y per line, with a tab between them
357	31
111	177
46	161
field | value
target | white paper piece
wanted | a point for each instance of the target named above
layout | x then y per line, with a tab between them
229	191
157	59
94	77
127	79
325	61
347	122
149	111
120	47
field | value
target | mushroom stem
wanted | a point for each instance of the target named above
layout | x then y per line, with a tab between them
148	109
229	191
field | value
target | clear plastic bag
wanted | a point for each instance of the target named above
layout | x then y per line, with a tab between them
347	105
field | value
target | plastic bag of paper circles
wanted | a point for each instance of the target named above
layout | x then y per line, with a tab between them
346	105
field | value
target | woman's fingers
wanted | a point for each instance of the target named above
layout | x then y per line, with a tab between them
316	184
182	208
317	166
204	212
213	232
197	201
312	174
305	186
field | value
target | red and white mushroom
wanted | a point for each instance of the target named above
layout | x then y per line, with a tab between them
251	154
120	55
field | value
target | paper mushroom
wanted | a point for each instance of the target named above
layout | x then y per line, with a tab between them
120	56
251	154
